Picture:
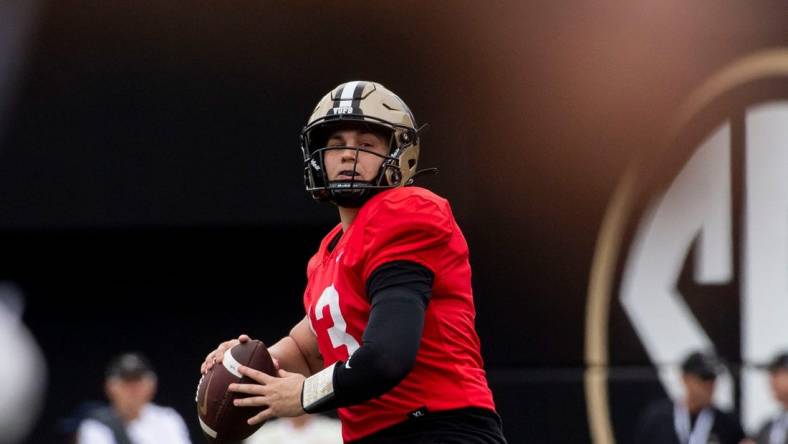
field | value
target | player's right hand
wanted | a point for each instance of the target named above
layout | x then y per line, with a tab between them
215	357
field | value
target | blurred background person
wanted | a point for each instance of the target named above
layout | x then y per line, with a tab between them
22	377
304	429
775	430
132	417
692	419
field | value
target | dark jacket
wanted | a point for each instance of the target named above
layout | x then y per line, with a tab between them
656	426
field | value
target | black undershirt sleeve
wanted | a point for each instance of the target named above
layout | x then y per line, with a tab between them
399	293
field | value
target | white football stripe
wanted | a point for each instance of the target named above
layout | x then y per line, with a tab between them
208	431
231	364
197	395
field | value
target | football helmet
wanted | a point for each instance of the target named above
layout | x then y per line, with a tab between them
367	104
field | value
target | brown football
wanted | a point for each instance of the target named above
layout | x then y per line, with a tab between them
220	420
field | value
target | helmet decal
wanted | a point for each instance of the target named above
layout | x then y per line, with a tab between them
347	98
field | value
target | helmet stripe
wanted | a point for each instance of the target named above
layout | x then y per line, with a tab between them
357	94
338	94
348	93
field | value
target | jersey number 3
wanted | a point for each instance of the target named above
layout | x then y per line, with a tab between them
337	332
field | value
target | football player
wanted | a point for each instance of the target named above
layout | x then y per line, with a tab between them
388	338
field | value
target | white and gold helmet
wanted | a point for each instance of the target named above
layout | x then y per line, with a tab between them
366	103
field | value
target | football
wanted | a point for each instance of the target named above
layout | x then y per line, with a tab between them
220	420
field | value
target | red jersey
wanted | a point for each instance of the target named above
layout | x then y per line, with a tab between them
410	224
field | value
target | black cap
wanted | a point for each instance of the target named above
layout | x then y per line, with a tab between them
703	365
779	362
129	366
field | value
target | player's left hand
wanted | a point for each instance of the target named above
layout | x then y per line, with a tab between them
282	395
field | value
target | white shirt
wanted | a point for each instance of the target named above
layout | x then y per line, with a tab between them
778	430
318	430
155	425
684	430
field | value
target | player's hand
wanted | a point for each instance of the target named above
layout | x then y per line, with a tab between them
280	396
216	356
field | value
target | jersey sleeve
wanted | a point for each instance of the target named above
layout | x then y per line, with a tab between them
413	228
312	264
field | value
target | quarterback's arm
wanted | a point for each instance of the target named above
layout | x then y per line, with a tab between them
298	352
399	293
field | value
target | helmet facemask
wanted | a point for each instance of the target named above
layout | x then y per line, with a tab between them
397	164
374	108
